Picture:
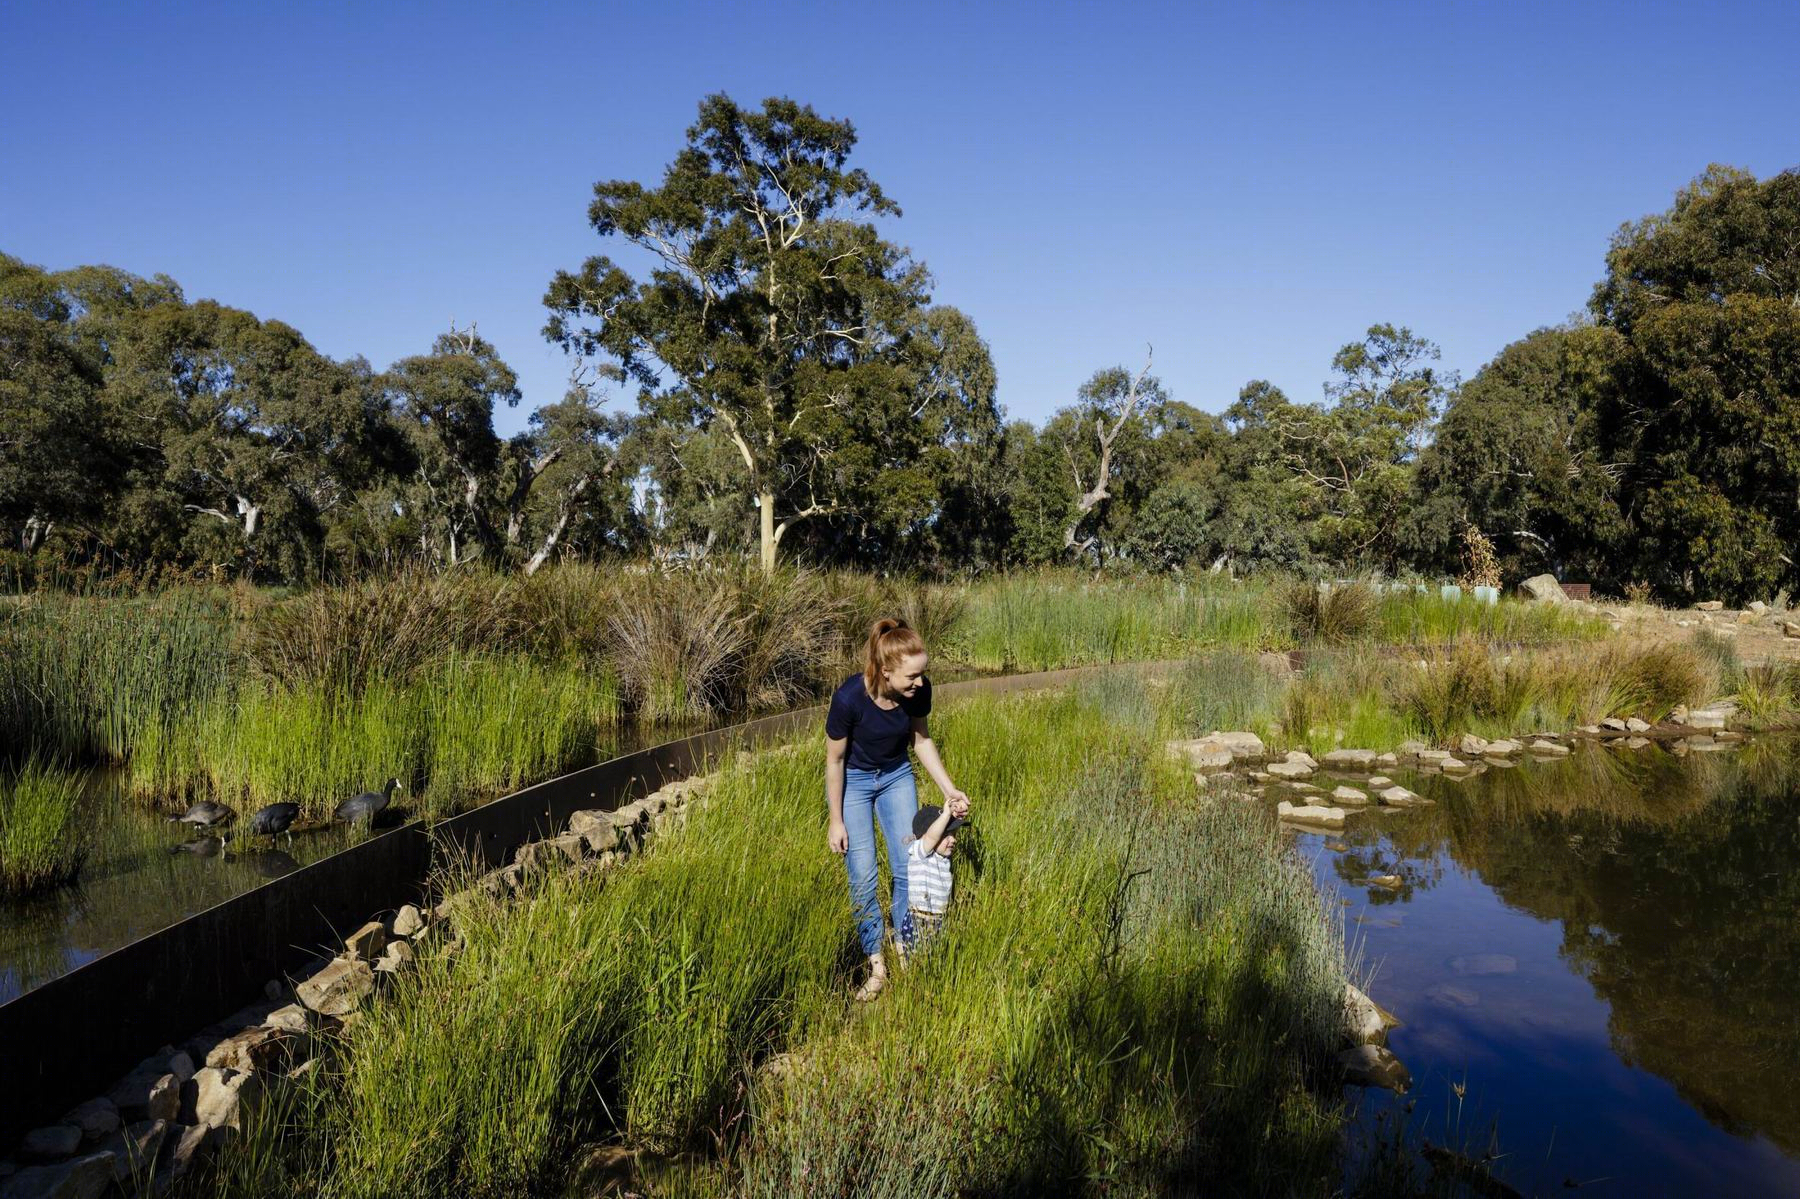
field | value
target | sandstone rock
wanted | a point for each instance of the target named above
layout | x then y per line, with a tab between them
571	848
408	921
1544	588
1472	745
95	1118
1709	605
1412	749
1289	770
1790	628
1454	766
1380	781
256	1048
1387	761
1634	725
181	1065
396	957
293	1018
1587	730
1549	749
1432	757
1374	1066
134	1149
186	1147
1399	797
1388	882
1365	1021
82	1178
1612	724
53	1142
1636	742
1705	718
1350	759
1302	758
1757	607
1349	795
1503	748
215	1097
1299	788
1244	747
338	988
1311	814
1261	776
1205	754
367	941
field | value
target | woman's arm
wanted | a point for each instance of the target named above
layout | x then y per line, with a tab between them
934	766
837	837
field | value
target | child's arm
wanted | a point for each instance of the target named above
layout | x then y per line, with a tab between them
928	840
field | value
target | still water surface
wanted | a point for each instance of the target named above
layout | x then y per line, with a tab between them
1604	955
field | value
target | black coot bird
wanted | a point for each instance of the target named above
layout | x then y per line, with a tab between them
274	820
206	814
364	808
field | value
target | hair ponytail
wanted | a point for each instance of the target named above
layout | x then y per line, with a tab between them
890	640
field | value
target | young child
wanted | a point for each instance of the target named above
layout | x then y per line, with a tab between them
928	878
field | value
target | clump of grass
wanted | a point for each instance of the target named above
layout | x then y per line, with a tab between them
1768	693
1718	656
1334	614
42	841
1227	690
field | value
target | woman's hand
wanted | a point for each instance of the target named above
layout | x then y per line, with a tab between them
955	802
837	838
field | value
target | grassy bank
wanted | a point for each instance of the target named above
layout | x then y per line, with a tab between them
42	841
1133	990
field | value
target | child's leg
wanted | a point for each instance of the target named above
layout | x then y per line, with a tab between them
896	801
859	861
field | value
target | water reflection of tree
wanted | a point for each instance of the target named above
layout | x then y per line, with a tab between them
1677	883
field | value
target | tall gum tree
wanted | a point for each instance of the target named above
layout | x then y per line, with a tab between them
769	308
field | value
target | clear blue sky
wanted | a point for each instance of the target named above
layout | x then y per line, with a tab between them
1245	186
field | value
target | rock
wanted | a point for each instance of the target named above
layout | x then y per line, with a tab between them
1454	766
1374	1066
1446	993
1503	748
1431	757
1399	797
338	988
396	957
1703	742
1412	749
1543	588
1303	788
1612	724
1302	758
192	1144
1261	776
53	1142
1389	882
1245	747
292	1018
1378	782
83	1178
134	1149
1365	1021
215	1097
1336	846
1634	725
1790	628
1549	749
1704	718
1636	742
181	1066
1709	605
255	1048
569	848
1387	761
1311	814
408	921
1206	755
1471	745
95	1118
1757	607
1289	770
1350	759
1349	795
367	941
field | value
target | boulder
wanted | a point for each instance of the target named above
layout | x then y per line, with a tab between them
338	988
1387	761
1289	770
1205	754
1365	1021
1349	795
1301	758
1705	718
1245	747
1350	759
1399	797
1790	628
1543	588
1503	748
1454	766
1612	724
141	1095
408	921
1472	745
1757	607
1549	749
53	1142
82	1178
134	1149
1634	725
215	1097
1374	1066
1709	605
396	957
95	1118
1311	814
256	1048
292	1018
367	942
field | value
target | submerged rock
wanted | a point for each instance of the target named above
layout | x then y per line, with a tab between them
1400	797
1484	963
1350	759
1503	748
1311	814
1549	749
1349	795
1447	993
1374	1066
1365	1021
1289	770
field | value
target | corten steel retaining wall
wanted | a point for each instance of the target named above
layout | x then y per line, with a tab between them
68	1040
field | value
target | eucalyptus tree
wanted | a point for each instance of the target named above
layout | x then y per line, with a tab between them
772	312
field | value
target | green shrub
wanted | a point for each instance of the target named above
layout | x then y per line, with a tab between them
1331	614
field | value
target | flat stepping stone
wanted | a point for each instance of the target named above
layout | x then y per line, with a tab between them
1350	759
1311	814
1289	770
1349	795
1549	749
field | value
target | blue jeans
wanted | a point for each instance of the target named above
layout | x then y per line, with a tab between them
892	795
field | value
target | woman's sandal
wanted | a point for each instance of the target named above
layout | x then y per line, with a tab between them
874	983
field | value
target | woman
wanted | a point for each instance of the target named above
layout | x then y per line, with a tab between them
874	717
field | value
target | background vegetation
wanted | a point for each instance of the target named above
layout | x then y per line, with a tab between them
799	391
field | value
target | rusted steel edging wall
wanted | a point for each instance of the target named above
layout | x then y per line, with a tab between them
71	1038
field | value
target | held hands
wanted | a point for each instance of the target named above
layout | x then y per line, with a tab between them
956	802
837	838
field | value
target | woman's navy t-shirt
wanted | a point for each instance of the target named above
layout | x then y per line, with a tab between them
879	737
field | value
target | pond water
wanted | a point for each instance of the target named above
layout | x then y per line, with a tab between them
143	873
1603	955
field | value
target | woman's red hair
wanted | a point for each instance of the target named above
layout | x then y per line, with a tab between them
890	641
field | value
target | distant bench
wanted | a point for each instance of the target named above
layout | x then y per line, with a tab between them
1578	591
